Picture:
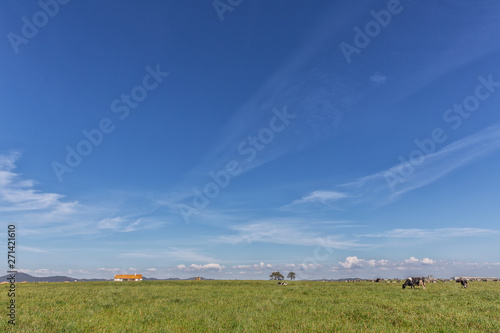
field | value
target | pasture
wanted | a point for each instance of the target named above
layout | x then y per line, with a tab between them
253	306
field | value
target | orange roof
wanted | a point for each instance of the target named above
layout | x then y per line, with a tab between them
138	276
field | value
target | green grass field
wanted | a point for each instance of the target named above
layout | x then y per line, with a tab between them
253	306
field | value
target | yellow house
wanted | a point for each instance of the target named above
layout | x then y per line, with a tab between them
135	277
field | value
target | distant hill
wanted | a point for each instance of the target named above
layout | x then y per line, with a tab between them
148	279
23	277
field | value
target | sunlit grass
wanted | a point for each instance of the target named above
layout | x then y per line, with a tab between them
254	306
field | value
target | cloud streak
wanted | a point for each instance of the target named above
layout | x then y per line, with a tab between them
175	253
371	268
378	78
284	231
313	91
388	185
200	268
119	224
322	197
18	194
355	263
433	233
45	213
446	160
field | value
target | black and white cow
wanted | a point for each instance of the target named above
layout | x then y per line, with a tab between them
463	281
283	283
413	281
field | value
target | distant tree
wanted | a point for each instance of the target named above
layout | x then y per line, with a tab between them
291	276
276	276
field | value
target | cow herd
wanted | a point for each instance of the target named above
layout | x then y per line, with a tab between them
420	281
410	282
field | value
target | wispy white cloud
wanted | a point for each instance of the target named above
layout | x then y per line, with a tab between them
32	249
47	214
427	261
371	268
118	223
198	268
433	233
411	260
8	161
321	96
386	186
118	270
77	271
41	272
189	254
449	158
323	197
355	263
304	267
260	265
173	253
109	269
110	223
284	231
263	267
19	194
317	96
378	78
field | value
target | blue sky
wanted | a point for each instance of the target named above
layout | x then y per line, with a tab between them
231	139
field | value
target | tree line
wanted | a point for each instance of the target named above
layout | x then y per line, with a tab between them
278	276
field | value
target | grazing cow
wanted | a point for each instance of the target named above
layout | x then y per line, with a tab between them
464	282
412	281
283	283
408	283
